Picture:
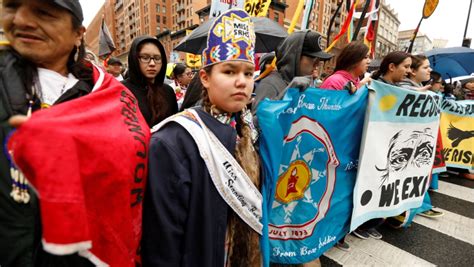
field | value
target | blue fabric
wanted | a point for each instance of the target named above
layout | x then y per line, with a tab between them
310	148
434	181
426	205
452	61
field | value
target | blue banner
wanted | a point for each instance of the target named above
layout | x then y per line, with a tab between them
310	148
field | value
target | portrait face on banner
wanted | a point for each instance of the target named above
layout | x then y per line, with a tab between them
408	151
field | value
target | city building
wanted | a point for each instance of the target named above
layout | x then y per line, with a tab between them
387	30
2	33
439	43
168	20
421	44
127	19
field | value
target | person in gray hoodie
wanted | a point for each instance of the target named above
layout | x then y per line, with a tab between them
298	55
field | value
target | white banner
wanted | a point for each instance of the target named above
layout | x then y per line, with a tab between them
219	6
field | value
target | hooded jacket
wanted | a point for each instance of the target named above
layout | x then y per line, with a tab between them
288	64
409	84
137	83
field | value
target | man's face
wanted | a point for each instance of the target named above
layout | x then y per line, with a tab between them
115	69
40	31
410	151
308	64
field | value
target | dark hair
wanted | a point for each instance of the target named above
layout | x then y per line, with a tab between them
417	61
179	69
436	76
351	55
193	93
448	89
79	67
396	57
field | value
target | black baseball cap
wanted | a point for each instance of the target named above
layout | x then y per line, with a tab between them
312	46
72	6
113	61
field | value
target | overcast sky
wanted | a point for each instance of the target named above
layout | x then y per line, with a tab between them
447	22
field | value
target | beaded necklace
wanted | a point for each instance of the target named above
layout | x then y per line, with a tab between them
20	186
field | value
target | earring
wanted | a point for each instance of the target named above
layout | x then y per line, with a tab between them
76	55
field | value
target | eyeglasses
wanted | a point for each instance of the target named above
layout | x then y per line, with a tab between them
147	59
189	74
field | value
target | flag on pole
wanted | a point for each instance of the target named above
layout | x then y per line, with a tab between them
307	11
369	36
350	28
106	42
344	27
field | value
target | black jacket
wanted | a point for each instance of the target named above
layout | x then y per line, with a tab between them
139	86
184	217
288	65
20	230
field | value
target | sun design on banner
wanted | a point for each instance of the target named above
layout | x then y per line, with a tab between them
306	183
294	182
387	102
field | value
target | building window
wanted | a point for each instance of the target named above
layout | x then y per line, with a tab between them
158	19
157	8
164	20
276	17
164	9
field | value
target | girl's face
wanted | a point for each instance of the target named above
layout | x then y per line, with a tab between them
149	58
422	74
397	73
229	84
362	66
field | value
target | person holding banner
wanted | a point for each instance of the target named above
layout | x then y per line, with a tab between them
203	206
298	55
394	67
351	64
419	72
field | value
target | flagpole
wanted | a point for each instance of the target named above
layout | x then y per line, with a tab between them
361	20
331	22
415	33
467	21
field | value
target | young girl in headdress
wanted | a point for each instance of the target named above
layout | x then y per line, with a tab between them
203	205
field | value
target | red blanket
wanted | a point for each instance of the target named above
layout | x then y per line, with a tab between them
87	160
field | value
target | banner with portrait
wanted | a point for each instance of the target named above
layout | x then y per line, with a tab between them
457	130
310	146
397	152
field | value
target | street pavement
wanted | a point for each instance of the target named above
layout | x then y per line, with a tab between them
444	241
